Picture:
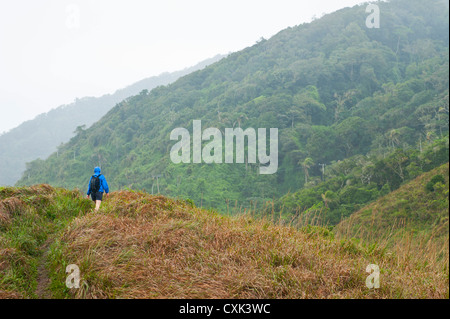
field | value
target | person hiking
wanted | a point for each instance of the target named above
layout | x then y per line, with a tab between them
97	186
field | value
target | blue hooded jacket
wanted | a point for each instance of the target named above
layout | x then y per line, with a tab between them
103	184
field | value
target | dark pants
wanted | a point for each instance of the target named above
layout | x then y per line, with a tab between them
97	196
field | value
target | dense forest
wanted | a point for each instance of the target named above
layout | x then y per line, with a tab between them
40	137
360	112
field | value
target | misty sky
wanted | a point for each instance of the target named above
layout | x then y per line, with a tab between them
52	51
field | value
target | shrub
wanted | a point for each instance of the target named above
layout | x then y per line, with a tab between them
436	179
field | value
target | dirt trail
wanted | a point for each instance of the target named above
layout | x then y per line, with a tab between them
43	280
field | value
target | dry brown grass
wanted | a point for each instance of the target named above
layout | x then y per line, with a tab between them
8	208
143	246
421	259
10	295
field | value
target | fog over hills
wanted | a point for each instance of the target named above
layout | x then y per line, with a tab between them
38	138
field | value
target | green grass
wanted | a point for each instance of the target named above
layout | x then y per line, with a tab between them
29	217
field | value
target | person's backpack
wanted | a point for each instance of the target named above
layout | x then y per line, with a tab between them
95	184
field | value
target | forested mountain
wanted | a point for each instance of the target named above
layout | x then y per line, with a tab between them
370	104
38	138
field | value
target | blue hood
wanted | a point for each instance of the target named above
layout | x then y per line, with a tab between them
103	184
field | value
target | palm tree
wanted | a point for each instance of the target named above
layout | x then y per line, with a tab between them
239	118
329	197
306	164
393	136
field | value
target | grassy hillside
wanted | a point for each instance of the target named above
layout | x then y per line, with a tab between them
417	211
29	218
144	246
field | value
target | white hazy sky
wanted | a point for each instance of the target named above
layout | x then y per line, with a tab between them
53	51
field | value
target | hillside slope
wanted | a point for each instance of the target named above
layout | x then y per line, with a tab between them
334	88
419	208
144	246
40	137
